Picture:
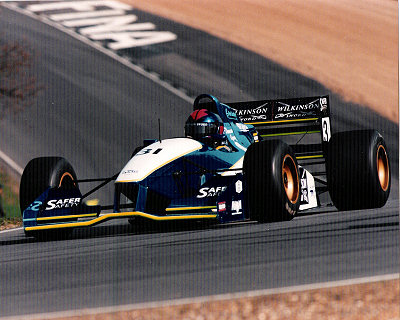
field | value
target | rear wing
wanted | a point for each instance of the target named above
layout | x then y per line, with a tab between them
305	121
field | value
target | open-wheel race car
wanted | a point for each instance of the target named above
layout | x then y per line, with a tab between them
257	160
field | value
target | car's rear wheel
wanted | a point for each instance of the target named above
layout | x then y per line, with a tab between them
272	181
40	174
358	170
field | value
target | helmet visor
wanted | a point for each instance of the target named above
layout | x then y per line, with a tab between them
200	129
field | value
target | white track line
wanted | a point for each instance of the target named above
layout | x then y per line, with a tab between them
11	163
222	297
112	54
11	230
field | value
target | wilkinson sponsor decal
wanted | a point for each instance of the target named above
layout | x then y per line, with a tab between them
254	114
297	111
300	107
314	108
270	110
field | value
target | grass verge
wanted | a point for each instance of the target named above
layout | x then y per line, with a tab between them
9	200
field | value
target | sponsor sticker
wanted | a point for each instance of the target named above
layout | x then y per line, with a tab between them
304	188
242	127
239	186
222	206
129	171
308	196
236	207
231	114
258	113
288	111
210	192
56	204
324	104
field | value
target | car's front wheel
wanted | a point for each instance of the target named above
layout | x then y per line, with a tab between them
272	181
40	174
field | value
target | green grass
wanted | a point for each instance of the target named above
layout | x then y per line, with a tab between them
10	199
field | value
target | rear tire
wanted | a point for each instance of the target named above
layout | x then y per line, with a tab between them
358	170
40	174
272	181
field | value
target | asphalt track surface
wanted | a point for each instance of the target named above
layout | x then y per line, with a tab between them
95	111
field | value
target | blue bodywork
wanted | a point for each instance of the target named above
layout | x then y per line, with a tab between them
201	184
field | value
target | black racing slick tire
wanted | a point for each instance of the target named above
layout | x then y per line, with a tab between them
358	170
40	174
272	181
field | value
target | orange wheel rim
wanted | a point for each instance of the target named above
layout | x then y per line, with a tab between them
67	180
383	168
290	179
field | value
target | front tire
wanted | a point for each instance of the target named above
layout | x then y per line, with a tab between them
358	170
272	178
40	174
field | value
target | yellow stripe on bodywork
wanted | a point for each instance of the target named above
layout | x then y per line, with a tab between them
289	133
67	217
310	157
282	121
190	208
109	216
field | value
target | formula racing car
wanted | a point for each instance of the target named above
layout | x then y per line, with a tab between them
257	160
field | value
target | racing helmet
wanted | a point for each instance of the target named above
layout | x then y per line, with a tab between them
203	124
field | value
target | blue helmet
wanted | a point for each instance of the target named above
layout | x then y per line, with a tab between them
203	124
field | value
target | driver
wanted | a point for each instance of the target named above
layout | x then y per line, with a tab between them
207	127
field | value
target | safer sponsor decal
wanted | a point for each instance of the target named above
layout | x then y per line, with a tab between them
210	192
56	204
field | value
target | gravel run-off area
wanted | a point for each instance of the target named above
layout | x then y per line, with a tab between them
349	46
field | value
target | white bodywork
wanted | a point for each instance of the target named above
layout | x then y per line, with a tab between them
154	156
308	192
